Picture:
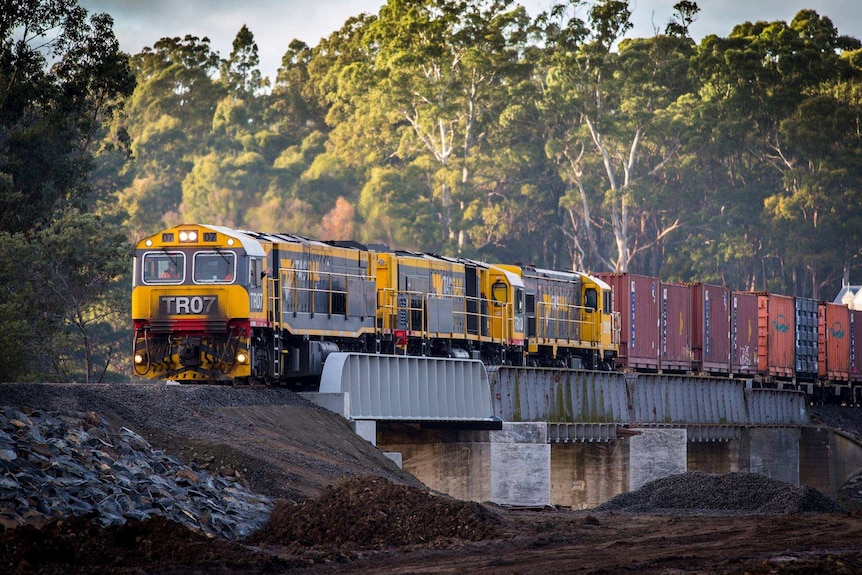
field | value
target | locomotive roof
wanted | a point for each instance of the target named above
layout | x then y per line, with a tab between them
595	280
251	245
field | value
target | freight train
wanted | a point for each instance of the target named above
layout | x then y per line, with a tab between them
217	305
212	304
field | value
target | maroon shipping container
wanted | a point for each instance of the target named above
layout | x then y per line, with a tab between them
675	333
636	298
710	329
743	333
833	332
776	336
855	345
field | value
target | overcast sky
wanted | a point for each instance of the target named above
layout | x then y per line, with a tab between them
274	23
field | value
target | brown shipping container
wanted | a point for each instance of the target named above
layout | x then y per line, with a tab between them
675	327
743	333
776	337
636	298
710	328
833	331
855	345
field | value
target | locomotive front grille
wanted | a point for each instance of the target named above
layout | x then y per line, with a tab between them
168	326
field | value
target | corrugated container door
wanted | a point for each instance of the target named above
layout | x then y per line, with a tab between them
675	327
806	320
710	328
834	341
776	342
743	333
636	298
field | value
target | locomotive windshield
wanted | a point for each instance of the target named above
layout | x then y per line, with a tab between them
164	267
214	267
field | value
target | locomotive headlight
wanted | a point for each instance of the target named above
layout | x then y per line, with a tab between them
241	357
139	358
188	236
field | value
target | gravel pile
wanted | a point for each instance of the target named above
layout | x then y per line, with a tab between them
282	445
151	406
726	492
370	512
73	464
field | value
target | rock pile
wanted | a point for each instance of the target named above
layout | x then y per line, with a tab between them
851	492
75	464
727	492
370	512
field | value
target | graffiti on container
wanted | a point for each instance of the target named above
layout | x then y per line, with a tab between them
837	330
780	323
744	356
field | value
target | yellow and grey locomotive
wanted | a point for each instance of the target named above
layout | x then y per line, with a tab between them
212	304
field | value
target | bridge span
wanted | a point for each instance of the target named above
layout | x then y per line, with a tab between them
574	438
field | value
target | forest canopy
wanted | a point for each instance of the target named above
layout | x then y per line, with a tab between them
465	128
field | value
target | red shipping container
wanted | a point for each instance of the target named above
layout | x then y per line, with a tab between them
675	327
855	345
636	298
776	336
833	345
743	333
710	328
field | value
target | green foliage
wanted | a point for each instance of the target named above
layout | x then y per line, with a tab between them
63	82
49	120
60	300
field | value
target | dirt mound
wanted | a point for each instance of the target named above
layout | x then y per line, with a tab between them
725	492
79	545
370	512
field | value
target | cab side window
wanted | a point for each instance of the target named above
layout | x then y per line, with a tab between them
519	301
591	299
254	276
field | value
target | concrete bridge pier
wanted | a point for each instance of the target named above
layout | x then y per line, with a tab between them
517	466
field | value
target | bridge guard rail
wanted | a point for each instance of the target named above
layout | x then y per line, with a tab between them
406	388
565	396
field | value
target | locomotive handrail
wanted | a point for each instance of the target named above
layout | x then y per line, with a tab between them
388	301
390	306
459	310
572	315
315	278
616	327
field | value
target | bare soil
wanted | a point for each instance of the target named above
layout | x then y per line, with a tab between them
344	508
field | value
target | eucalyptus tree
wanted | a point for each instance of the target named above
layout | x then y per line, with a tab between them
816	148
238	121
169	118
609	131
441	70
757	87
